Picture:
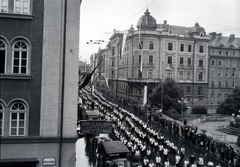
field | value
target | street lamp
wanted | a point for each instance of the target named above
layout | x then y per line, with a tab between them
168	69
182	101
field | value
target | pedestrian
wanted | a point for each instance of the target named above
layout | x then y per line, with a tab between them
182	152
200	161
237	163
186	163
210	164
166	163
192	158
165	154
158	160
178	160
151	164
145	161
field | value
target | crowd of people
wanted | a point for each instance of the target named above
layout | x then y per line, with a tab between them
150	148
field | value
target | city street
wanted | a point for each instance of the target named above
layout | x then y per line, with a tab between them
85	158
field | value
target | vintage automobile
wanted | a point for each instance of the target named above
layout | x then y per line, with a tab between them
113	154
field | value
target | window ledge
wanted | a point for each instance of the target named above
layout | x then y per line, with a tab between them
16	16
15	77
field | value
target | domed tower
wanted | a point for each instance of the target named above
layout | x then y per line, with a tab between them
197	29
147	22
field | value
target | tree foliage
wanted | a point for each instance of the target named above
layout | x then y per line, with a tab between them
172	92
231	104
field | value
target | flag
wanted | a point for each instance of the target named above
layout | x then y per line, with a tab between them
88	77
123	43
145	95
107	83
140	43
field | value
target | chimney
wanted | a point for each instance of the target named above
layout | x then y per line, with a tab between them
213	34
232	36
165	22
220	35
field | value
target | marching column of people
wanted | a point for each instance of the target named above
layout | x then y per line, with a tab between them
150	148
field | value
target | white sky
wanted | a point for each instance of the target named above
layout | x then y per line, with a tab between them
98	18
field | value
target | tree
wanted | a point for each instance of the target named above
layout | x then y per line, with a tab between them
172	92
231	104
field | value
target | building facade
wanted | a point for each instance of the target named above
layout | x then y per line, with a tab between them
224	67
39	76
142	57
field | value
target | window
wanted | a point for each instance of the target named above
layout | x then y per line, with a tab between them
189	61
226	73
226	53
169	60
233	84
150	59
150	74
4	6
139	58
181	60
227	63
180	74
170	46
133	59
200	75
21	6
113	51
213	73
220	63
226	84
139	91
3	52
219	84
220	73
20	57
212	84
200	90
233	74
213	62
234	63
1	119
200	49
182	47
133	73
200	63
140	45
213	51
17	119
170	31
189	48
151	45
188	90
233	53
219	98
212	98
188	74
220	52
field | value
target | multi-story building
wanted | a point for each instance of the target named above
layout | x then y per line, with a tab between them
142	57
224	67
39	47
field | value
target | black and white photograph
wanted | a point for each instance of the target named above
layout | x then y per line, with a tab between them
119	83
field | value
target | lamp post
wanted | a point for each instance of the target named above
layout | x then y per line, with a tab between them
182	101
168	69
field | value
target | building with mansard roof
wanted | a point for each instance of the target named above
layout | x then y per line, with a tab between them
140	57
224	67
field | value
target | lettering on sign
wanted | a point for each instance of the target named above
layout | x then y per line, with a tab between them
49	161
96	127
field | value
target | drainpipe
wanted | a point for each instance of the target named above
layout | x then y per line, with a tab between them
64	3
193	71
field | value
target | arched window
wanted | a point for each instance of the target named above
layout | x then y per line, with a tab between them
1	119
3	53
212	98
219	98
17	119
225	96
20	57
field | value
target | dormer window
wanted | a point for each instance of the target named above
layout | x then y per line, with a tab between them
201	34
170	31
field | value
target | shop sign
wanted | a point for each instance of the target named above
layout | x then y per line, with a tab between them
49	161
96	127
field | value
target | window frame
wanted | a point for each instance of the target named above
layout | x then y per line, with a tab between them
169	60
200	62
181	61
150	73
151	45
200	75
20	51
18	112
188	75
150	57
189	61
21	8
170	46
201	49
181	75
1	7
189	48
2	122
5	49
181	47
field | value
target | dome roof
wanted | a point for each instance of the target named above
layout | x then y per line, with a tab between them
197	29
147	22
